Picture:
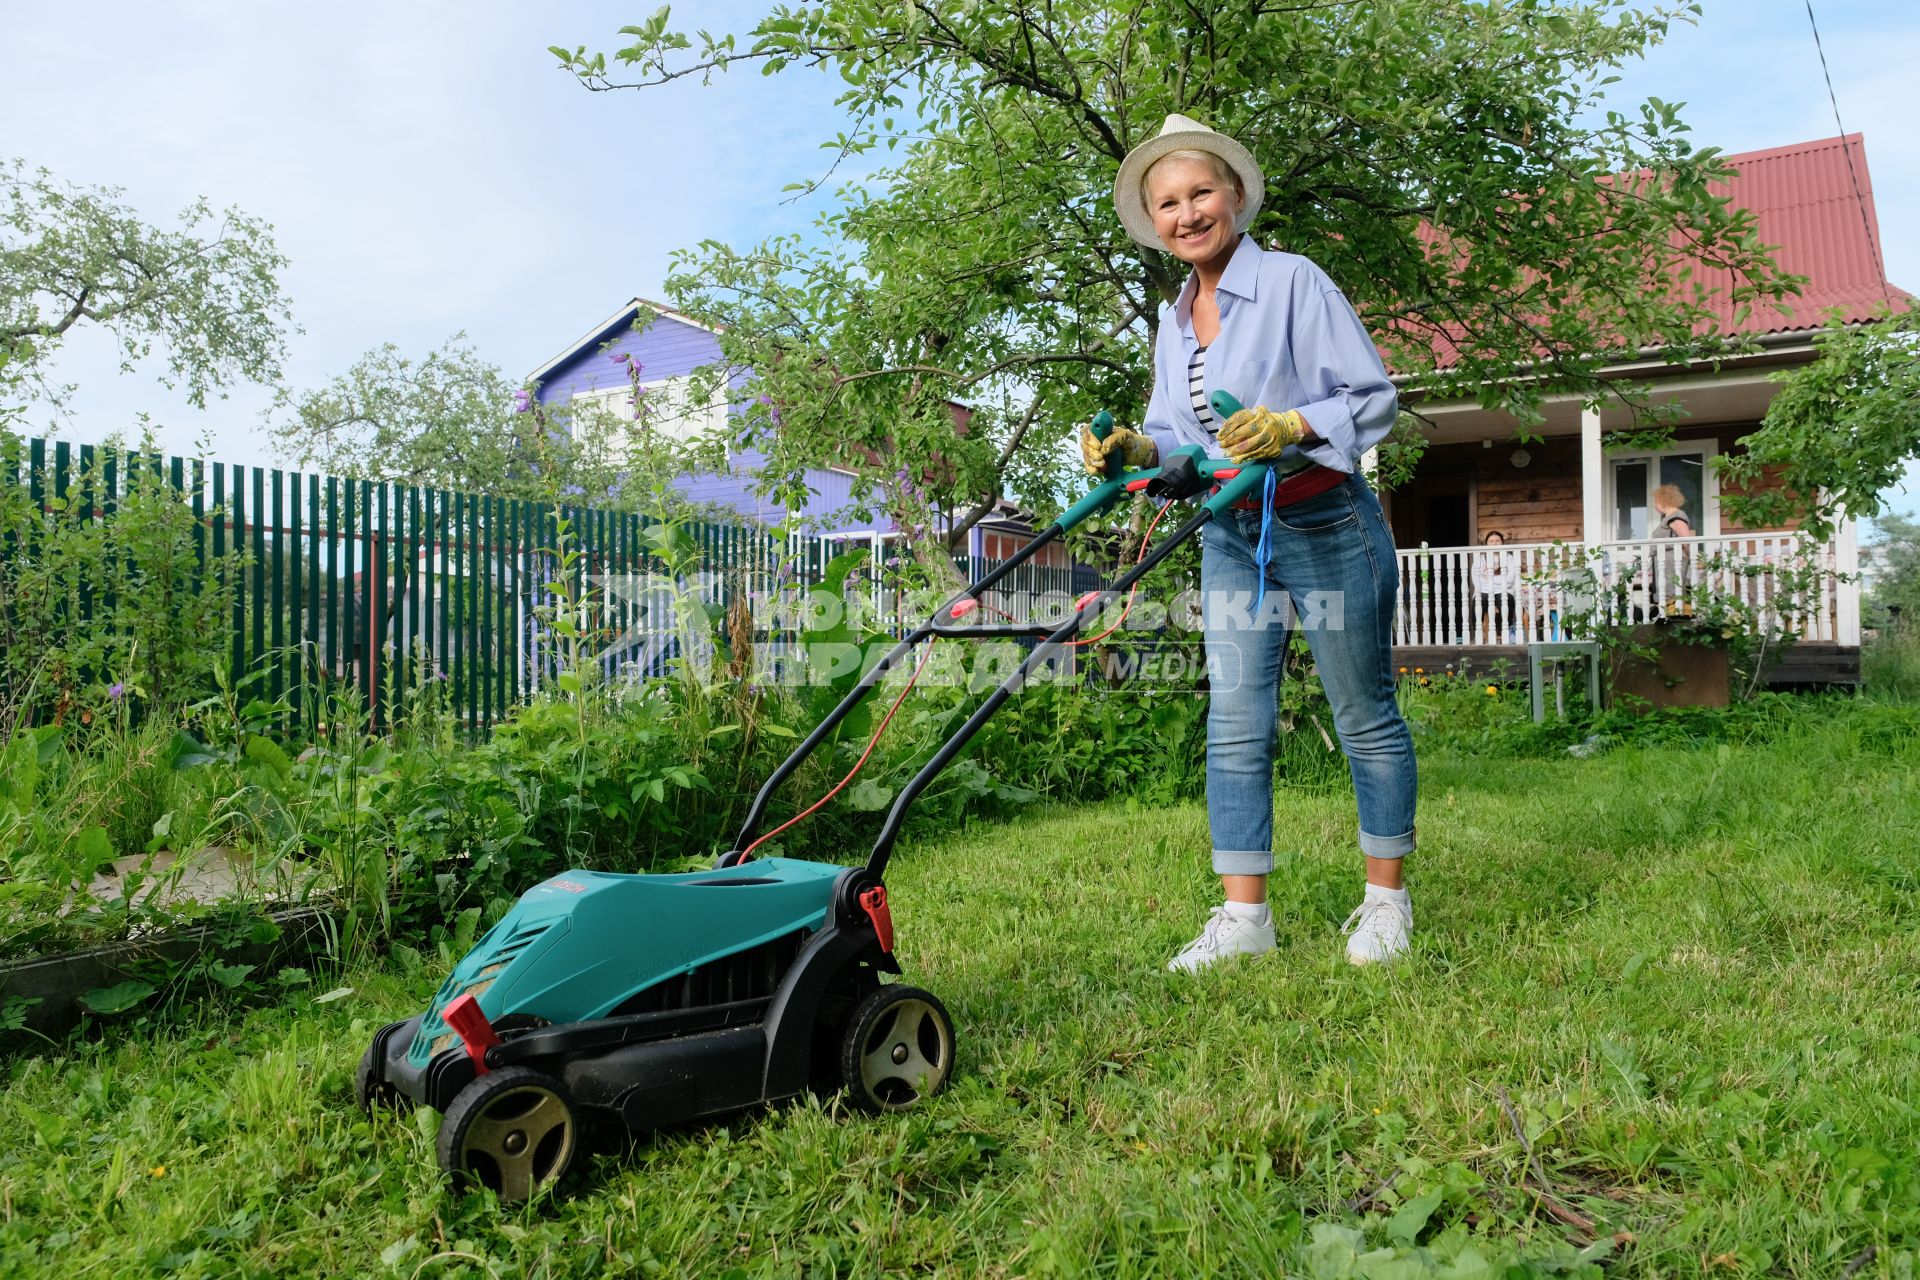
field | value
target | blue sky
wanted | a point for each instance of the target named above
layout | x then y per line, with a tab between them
428	170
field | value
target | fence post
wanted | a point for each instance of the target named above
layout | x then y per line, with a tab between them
363	597
259	568
382	550
337	632
420	584
276	684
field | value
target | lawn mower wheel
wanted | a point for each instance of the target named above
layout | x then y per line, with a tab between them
898	1048
513	1130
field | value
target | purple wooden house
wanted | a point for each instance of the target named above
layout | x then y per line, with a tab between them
670	349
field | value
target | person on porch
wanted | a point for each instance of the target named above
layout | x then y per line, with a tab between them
1271	328
1672	521
1495	577
1668	573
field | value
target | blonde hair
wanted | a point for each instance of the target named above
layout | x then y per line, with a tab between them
1669	497
1217	163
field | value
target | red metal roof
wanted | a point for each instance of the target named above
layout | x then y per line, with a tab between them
1804	206
1802	197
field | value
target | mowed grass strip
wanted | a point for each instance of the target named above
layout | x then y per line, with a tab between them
1691	973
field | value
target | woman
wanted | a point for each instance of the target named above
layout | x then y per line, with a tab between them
1671	504
1494	578
1274	331
1667	574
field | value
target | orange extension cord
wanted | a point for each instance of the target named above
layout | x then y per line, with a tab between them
871	744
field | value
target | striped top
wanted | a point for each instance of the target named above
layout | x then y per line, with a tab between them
1286	464
1197	391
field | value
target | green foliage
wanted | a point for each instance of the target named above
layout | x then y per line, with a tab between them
1463	712
12	391
1837	435
1890	661
1897	578
407	831
122	996
1720	598
1436	158
207	295
152	615
453	420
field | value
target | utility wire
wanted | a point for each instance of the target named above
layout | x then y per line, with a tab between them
1866	223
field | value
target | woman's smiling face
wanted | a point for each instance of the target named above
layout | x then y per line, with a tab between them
1193	209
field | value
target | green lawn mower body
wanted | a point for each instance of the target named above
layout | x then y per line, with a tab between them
653	1000
647	1000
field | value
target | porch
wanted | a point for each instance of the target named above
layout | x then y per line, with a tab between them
1572	497
1473	607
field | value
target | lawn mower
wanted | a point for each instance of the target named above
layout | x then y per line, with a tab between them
653	1000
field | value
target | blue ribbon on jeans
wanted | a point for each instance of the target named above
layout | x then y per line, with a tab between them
1264	552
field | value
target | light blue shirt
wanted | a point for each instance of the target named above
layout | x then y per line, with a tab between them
1289	339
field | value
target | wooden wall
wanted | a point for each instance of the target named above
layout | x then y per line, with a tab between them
1729	440
1536	503
1539	502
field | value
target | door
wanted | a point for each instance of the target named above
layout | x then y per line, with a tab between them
1635	479
1435	509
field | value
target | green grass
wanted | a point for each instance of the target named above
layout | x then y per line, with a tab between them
1693	972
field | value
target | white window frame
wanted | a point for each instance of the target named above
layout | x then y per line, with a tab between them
617	400
677	429
1707	448
613	399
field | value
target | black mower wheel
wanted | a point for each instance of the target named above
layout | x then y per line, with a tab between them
513	1130
898	1048
370	1086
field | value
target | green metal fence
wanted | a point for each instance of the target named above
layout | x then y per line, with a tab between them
393	589
389	588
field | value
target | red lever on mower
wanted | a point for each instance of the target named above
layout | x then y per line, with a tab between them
874	902
475	1032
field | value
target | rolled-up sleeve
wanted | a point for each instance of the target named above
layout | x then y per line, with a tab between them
1349	402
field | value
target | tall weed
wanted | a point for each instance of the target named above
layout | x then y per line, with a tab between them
1890	662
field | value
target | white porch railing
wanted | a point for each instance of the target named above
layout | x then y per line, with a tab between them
1487	596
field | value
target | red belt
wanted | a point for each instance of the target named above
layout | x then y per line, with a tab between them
1310	482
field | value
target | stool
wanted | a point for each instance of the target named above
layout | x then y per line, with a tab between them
1556	652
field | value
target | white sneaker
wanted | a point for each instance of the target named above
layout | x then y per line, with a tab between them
1378	930
1226	935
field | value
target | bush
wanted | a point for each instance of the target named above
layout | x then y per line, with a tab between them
661	781
89	602
1890	662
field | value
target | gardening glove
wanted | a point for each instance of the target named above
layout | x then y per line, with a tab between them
1135	449
1256	434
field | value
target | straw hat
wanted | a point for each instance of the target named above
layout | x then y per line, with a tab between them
1181	134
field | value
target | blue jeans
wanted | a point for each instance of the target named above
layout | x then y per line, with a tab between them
1331	572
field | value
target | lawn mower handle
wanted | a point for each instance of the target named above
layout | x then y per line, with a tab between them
1103	495
1102	427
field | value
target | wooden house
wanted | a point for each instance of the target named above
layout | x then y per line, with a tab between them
1567	495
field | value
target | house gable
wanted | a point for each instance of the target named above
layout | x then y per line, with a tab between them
673	346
